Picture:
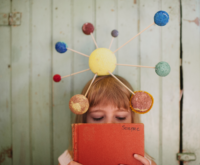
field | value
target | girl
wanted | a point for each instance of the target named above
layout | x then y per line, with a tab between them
109	103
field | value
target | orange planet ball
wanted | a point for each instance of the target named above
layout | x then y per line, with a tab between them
79	104
141	102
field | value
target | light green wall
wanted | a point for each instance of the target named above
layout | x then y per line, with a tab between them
34	114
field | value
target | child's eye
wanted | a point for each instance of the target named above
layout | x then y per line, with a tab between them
97	119
121	118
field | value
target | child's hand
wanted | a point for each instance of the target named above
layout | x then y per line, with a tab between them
74	163
143	160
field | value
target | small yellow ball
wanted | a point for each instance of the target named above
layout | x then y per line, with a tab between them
101	61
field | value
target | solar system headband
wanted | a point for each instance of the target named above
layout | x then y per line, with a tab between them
102	61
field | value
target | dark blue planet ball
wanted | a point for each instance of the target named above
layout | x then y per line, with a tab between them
161	18
61	47
114	33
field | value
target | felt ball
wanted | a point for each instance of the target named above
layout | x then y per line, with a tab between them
162	69
161	18
141	102
101	61
57	78
87	28
114	33
79	104
61	47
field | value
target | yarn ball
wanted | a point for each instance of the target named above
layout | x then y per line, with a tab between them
79	104
162	69
87	28
141	102
57	78
61	47
114	33
161	18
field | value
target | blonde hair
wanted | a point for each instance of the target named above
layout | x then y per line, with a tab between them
106	90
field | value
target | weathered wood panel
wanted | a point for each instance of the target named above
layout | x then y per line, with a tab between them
82	13
62	64
154	47
127	21
41	82
150	55
5	99
191	76
41	131
171	84
20	87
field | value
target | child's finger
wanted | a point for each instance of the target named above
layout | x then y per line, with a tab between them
141	159
74	163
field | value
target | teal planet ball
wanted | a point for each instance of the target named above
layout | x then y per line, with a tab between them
162	69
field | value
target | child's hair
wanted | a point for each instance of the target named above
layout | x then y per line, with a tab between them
107	90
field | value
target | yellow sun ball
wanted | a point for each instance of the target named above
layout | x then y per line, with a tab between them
101	61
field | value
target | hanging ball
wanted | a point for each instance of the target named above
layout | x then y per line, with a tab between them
141	102
101	61
57	78
114	33
61	47
161	18
78	104
87	28
162	69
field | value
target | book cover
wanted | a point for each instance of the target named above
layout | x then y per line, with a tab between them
107	144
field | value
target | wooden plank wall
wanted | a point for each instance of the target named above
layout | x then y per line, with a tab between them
35	118
191	83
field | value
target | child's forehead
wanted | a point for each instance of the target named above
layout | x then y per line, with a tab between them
106	107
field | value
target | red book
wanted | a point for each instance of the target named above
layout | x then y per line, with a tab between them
107	144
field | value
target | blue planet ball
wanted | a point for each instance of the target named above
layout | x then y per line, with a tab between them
61	47
161	18
162	69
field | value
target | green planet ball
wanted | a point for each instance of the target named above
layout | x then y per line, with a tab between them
162	69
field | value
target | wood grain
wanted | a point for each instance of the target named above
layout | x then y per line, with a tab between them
5	90
191	84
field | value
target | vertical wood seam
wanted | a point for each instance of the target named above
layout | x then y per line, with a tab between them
51	93
139	40
11	114
30	81
117	25
72	53
160	100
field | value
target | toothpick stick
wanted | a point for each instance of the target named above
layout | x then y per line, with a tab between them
134	37
75	73
137	66
121	83
78	52
90	84
111	42
94	40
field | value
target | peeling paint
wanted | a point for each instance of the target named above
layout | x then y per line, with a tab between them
5	152
196	21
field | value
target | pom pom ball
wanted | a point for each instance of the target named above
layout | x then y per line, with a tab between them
114	33
161	18
87	28
57	78
141	102
79	104
162	69
101	61
61	47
